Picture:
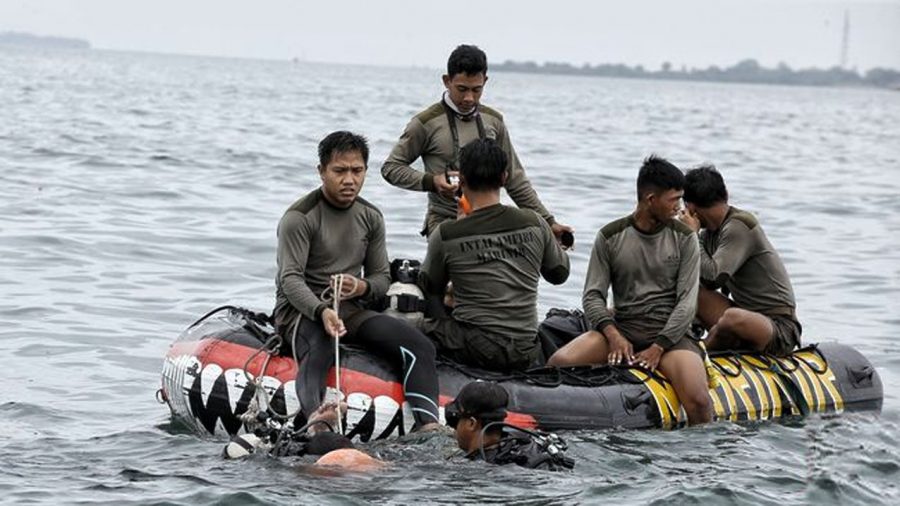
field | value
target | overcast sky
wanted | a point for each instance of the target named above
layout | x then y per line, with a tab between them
409	32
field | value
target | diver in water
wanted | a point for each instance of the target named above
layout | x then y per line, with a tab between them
315	439
477	415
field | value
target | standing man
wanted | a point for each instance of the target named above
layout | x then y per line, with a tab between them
652	262
737	258
332	231
438	133
495	257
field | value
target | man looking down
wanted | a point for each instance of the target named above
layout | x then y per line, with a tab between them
737	258
495	257
438	133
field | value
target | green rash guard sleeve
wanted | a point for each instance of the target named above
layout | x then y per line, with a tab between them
735	246
555	263
687	287
397	170
596	286
433	275
377	266
294	233
517	185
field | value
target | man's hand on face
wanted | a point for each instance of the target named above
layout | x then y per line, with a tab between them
690	219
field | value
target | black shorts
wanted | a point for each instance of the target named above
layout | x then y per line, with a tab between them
685	343
785	335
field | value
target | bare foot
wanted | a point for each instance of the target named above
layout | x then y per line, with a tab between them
327	413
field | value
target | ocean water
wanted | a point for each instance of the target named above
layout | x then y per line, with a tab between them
138	191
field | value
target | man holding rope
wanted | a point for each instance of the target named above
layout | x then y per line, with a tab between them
332	262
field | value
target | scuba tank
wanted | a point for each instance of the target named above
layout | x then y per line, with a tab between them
404	299
282	440
527	448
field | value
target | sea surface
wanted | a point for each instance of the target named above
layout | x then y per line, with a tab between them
138	191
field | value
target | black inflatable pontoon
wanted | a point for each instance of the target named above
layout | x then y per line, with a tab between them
212	371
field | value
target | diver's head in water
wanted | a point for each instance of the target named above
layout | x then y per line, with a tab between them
478	404
324	442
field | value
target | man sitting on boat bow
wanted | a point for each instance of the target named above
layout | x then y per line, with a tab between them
332	231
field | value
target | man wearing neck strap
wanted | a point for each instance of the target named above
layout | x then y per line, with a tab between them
438	133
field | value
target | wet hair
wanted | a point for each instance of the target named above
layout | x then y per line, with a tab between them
466	59
486	401
658	174
704	186
326	441
342	142
482	163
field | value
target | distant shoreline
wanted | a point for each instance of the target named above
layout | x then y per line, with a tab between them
31	40
745	71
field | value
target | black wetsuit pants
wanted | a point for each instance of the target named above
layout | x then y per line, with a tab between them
409	351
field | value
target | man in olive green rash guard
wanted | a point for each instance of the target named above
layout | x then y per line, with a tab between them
333	231
495	257
652	261
437	134
737	257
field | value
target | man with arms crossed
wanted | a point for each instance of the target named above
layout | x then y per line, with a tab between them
652	261
438	133
495	258
736	257
333	231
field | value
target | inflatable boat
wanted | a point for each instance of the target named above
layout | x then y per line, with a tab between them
223	366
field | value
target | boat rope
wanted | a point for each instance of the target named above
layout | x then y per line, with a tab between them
338	281
249	317
551	377
781	365
271	347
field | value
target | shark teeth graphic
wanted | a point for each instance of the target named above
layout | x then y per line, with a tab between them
291	402
357	406
185	376
236	382
207	379
384	404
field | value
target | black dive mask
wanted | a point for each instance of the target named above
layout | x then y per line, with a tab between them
452	413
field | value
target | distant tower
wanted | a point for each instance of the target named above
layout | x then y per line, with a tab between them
845	41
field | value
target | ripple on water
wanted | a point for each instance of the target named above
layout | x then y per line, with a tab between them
132	203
